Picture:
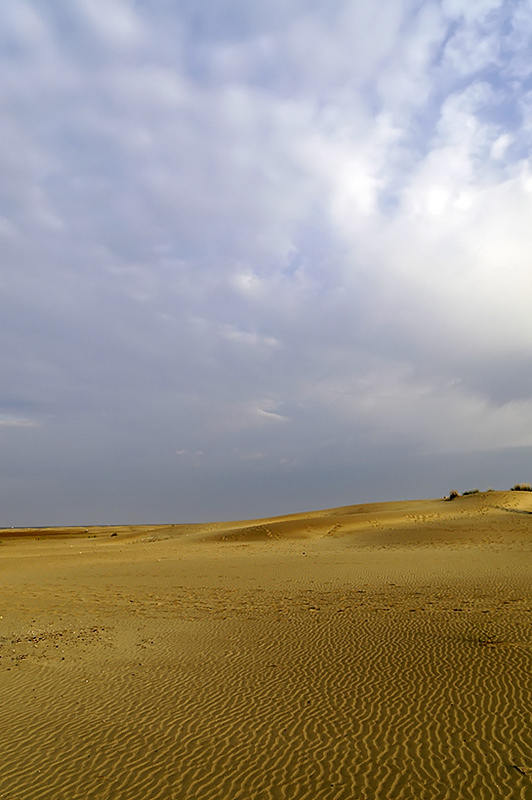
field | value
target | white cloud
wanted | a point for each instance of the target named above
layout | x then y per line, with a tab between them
269	414
16	422
472	49
117	24
247	338
404	83
500	146
470	10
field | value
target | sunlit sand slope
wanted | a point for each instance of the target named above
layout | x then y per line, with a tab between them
367	652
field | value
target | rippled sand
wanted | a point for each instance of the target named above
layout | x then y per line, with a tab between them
368	652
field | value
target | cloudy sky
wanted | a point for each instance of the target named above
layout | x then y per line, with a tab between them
261	257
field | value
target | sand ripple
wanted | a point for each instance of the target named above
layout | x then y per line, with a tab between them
318	695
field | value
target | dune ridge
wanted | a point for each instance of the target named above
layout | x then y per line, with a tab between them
379	651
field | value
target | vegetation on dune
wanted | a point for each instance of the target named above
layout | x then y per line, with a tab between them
518	487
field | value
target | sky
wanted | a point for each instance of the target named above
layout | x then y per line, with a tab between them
261	258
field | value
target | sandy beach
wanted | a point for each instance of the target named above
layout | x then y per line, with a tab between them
372	651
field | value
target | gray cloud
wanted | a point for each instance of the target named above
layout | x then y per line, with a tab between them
259	250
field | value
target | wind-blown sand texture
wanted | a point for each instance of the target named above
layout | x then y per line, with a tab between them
374	651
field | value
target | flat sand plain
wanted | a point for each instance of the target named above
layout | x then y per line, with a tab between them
373	651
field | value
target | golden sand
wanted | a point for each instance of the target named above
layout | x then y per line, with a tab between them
371	652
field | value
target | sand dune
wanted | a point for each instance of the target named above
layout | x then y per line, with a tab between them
371	651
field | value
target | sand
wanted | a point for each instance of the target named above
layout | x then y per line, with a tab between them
373	651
